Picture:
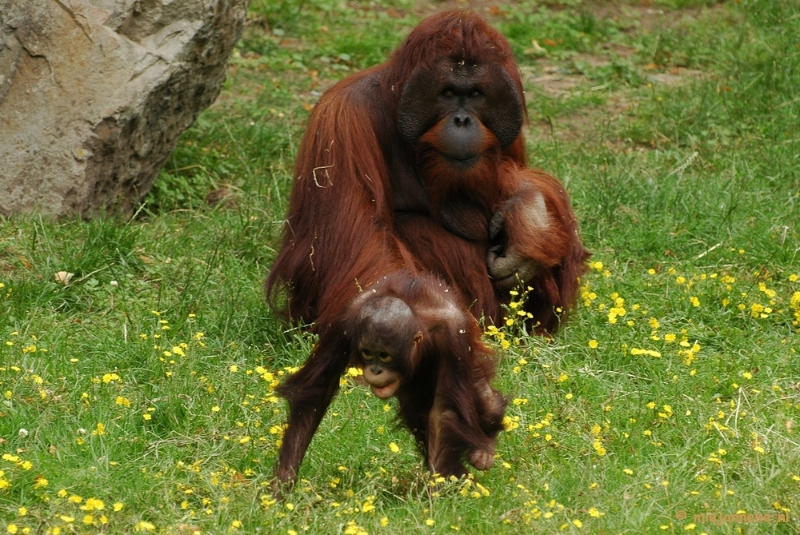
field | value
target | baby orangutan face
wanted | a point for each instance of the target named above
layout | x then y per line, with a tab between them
388	344
382	365
380	372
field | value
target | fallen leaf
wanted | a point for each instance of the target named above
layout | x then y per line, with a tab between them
63	277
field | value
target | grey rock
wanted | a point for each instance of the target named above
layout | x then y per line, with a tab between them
94	94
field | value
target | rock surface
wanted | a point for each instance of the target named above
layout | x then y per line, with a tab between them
94	94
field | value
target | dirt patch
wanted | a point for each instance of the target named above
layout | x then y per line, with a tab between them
591	125
676	76
644	16
554	82
555	85
487	8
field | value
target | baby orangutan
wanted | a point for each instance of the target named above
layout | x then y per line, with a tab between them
427	352
424	348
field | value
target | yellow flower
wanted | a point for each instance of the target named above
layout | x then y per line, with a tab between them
93	504
144	526
649	352
430	522
394	447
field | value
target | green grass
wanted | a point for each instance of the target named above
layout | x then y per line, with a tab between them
673	392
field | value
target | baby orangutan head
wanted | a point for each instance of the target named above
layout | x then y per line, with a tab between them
388	343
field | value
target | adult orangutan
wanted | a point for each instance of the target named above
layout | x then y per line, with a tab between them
415	170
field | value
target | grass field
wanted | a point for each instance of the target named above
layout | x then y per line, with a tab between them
138	396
